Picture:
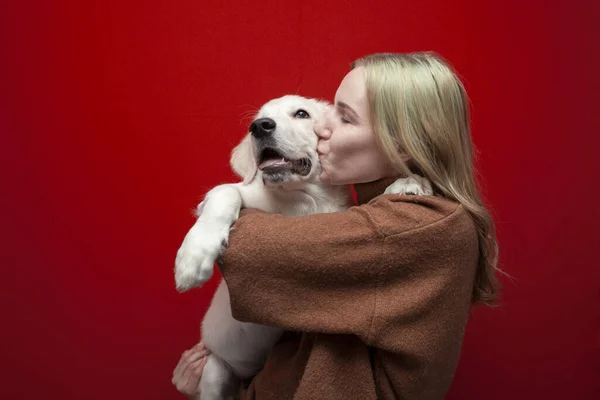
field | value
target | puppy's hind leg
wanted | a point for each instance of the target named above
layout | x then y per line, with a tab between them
218	381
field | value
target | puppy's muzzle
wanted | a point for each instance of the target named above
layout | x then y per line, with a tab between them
262	128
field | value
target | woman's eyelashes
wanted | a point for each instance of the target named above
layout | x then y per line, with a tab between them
345	118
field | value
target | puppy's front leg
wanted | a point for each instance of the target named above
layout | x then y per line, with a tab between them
203	243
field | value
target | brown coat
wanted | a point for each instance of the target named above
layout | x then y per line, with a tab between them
379	296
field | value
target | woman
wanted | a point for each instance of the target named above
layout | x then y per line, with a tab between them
374	300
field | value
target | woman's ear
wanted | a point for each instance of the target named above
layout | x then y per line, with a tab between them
242	160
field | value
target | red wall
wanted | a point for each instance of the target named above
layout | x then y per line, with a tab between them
117	116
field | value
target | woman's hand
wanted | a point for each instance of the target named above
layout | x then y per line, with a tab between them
187	373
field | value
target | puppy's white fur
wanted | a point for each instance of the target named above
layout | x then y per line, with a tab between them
239	349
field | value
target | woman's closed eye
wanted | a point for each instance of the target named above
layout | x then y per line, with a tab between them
345	118
346	114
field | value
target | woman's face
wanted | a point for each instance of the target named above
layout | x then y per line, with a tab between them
347	147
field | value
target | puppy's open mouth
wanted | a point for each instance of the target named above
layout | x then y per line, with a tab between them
272	161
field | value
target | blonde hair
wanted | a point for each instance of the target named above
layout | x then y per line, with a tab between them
419	107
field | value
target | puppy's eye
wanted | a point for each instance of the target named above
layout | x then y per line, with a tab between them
301	114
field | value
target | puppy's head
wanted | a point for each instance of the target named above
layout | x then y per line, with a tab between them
281	146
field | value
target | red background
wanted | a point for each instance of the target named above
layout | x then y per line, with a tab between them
117	116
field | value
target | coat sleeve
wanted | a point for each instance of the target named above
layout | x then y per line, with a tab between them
321	273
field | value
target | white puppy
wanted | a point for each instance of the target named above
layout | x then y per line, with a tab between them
280	168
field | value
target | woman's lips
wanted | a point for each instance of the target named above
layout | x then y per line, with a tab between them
321	149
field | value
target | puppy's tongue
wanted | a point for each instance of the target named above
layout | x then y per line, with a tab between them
274	162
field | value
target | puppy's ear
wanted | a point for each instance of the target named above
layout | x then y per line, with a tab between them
243	161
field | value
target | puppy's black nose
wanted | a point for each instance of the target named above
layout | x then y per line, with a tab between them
263	127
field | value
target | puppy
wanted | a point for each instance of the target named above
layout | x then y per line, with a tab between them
279	165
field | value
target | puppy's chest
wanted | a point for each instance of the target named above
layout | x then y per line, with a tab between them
309	207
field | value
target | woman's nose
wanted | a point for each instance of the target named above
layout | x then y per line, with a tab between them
321	130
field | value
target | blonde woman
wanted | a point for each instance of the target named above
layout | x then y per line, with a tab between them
375	299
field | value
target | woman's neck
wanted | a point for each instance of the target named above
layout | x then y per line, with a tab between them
369	190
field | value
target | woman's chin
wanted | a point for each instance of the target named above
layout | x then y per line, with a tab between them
325	177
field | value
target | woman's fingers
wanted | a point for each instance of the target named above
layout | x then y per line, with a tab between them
189	381
188	372
200	368
190	356
185	359
199	346
194	371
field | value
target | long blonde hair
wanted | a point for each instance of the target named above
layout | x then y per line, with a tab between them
419	107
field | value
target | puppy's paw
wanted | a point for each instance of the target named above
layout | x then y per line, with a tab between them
413	185
196	256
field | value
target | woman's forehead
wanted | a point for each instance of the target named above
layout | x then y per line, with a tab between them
353	90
